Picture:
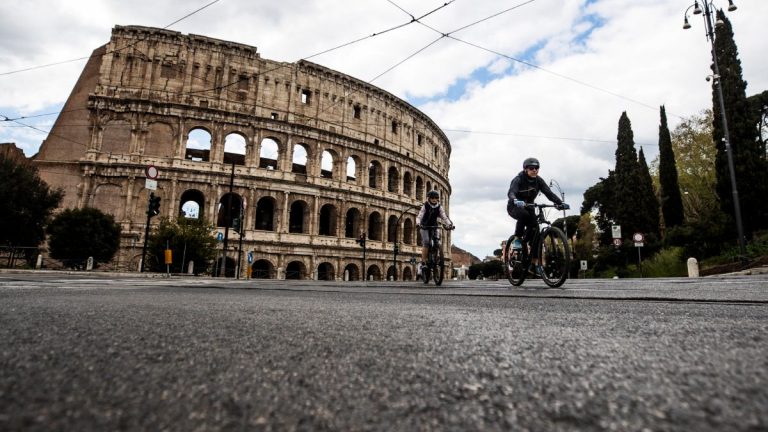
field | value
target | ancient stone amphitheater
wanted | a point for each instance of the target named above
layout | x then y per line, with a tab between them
312	157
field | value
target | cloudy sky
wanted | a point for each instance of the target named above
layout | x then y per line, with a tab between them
505	79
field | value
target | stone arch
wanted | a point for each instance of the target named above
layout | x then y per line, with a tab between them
353	167
222	218
328	161
269	153
408	228
420	189
296	270
375	226
262	269
265	214
407	183
429	187
392	229
373	273
235	145
407	274
352	272
198	145
192	204
352	223
298	218
300	158
327	221
375	174
393	179
325	271
391	273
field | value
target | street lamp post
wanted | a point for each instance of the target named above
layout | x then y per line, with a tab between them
710	33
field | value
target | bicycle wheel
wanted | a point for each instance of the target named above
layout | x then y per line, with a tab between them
437	258
513	263
555	256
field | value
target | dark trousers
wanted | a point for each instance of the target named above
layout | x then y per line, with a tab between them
526	222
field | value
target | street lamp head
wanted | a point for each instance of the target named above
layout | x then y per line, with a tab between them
686	24
731	7
696	8
719	23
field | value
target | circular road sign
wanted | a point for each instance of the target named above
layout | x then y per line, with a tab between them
638	237
151	172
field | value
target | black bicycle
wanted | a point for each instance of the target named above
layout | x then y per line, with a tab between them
553	252
435	266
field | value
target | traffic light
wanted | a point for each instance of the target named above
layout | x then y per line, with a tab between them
361	240
153	208
236	225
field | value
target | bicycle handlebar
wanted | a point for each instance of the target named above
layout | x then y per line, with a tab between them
427	227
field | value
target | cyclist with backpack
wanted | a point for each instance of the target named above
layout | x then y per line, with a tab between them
430	212
524	189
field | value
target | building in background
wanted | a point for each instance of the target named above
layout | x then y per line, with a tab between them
315	158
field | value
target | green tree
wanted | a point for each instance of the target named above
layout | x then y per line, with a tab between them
648	215
26	205
188	239
77	234
669	188
749	158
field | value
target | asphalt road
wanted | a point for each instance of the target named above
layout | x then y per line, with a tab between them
101	353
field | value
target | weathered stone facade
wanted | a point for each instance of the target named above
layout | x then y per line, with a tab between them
370	157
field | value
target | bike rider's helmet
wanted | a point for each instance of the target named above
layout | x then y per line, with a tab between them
433	194
530	162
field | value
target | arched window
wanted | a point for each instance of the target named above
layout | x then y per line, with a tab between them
234	149
224	219
392	229
325	272
268	154
393	179
351	169
191	204
297	218
352	223
299	159
326	164
262	269
351	272
198	145
265	214
407	184
375	226
374	174
327	225
408	226
295	270
419	189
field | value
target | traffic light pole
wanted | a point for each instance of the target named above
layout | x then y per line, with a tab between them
146	236
228	222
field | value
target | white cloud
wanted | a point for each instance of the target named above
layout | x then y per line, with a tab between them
635	58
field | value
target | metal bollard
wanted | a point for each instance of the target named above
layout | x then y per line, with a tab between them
693	267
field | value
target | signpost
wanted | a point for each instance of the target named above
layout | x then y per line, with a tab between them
616	234
638	238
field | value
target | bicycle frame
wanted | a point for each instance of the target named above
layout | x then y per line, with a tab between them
434	266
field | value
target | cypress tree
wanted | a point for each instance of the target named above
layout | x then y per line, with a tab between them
671	200
751	169
626	175
648	212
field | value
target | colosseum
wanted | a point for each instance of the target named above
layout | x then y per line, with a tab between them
313	158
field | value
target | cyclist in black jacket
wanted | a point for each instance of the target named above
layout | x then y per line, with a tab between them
523	190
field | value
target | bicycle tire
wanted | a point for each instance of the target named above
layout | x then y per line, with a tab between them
439	267
554	256
513	265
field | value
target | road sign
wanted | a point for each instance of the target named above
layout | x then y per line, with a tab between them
151	172
617	242
616	231
220	236
638	238
583	264
150	184
250	257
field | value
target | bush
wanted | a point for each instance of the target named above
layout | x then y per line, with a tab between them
669	262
